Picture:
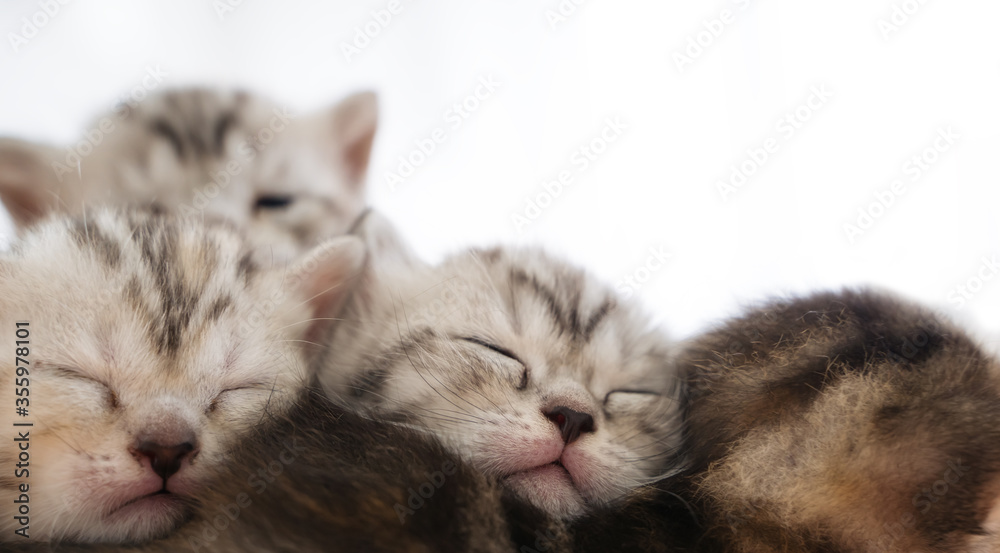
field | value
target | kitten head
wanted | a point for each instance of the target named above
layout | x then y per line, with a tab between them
202	154
152	346
524	365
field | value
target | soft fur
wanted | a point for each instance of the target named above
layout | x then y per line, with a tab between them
845	422
146	330
334	482
481	350
202	154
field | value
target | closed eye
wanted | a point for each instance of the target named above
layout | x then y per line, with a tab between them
502	351
627	391
214	404
273	201
67	372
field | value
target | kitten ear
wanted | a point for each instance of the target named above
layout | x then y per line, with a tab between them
354	121
28	180
326	277
387	251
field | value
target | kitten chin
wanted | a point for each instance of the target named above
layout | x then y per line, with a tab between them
524	365
848	421
152	347
198	153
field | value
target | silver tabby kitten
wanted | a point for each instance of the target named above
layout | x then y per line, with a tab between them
153	347
524	365
202	153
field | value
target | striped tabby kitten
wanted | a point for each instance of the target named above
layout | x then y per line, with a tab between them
846	422
525	366
154	346
201	153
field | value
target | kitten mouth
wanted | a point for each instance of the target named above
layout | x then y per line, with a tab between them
549	486
553	469
160	504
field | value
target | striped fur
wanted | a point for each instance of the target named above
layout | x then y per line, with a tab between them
143	327
845	422
205	154
480	349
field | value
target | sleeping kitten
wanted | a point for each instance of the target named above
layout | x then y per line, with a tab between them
152	347
524	365
321	479
845	422
201	153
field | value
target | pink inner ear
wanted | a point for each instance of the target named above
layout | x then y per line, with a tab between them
356	156
328	276
25	205
355	121
25	182
326	303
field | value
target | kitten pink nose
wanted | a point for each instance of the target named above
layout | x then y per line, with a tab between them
570	422
165	460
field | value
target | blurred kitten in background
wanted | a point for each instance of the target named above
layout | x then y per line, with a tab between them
201	153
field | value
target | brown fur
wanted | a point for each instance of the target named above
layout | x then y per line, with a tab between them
338	495
844	422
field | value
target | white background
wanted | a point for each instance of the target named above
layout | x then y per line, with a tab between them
783	231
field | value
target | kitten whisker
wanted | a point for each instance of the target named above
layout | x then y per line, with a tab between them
314	319
414	365
387	398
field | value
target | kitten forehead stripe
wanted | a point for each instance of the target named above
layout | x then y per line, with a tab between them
567	317
89	235
179	297
599	315
246	267
163	129
222	127
522	278
219	306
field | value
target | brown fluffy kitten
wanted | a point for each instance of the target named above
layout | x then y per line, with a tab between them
845	422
